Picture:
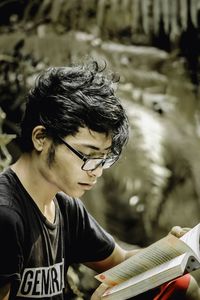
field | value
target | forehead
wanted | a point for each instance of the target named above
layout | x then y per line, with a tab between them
91	139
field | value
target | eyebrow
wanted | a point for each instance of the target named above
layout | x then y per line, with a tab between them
94	147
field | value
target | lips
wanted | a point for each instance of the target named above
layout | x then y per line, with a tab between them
87	186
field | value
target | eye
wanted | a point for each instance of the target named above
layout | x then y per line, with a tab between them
85	155
91	154
98	155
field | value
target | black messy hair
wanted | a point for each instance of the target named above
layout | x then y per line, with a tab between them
67	98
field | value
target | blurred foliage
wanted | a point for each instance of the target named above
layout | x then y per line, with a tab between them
5	156
17	72
166	24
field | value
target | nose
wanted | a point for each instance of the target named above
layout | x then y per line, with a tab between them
97	172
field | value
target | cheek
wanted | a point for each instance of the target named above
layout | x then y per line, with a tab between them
67	170
67	161
67	180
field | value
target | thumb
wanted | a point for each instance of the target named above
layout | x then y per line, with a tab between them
99	292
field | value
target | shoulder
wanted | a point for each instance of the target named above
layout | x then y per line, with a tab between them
7	187
10	222
11	214
11	204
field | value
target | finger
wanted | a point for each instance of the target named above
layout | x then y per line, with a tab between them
179	231
99	292
176	230
186	229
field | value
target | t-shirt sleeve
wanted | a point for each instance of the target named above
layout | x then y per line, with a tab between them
88	240
11	236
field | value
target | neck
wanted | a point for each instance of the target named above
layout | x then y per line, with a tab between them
35	183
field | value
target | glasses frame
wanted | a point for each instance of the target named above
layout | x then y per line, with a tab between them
85	158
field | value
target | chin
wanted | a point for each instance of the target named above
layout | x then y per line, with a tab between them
78	194
75	194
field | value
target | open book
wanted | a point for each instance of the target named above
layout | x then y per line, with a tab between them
150	267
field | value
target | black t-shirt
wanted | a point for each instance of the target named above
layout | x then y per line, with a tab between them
34	253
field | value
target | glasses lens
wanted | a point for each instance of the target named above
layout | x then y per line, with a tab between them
93	163
110	161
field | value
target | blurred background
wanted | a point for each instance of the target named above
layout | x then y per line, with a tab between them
154	46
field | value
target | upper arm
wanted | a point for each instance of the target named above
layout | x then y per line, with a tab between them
4	292
118	255
11	251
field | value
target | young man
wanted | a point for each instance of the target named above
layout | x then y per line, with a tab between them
73	127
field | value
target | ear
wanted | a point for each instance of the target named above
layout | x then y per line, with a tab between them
38	137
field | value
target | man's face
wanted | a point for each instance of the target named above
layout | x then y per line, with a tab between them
65	172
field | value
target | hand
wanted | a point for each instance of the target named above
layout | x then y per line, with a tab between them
193	291
99	292
179	231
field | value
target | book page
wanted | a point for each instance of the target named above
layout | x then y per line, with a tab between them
156	254
191	238
148	280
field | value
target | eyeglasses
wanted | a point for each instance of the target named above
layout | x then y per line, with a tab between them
91	164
